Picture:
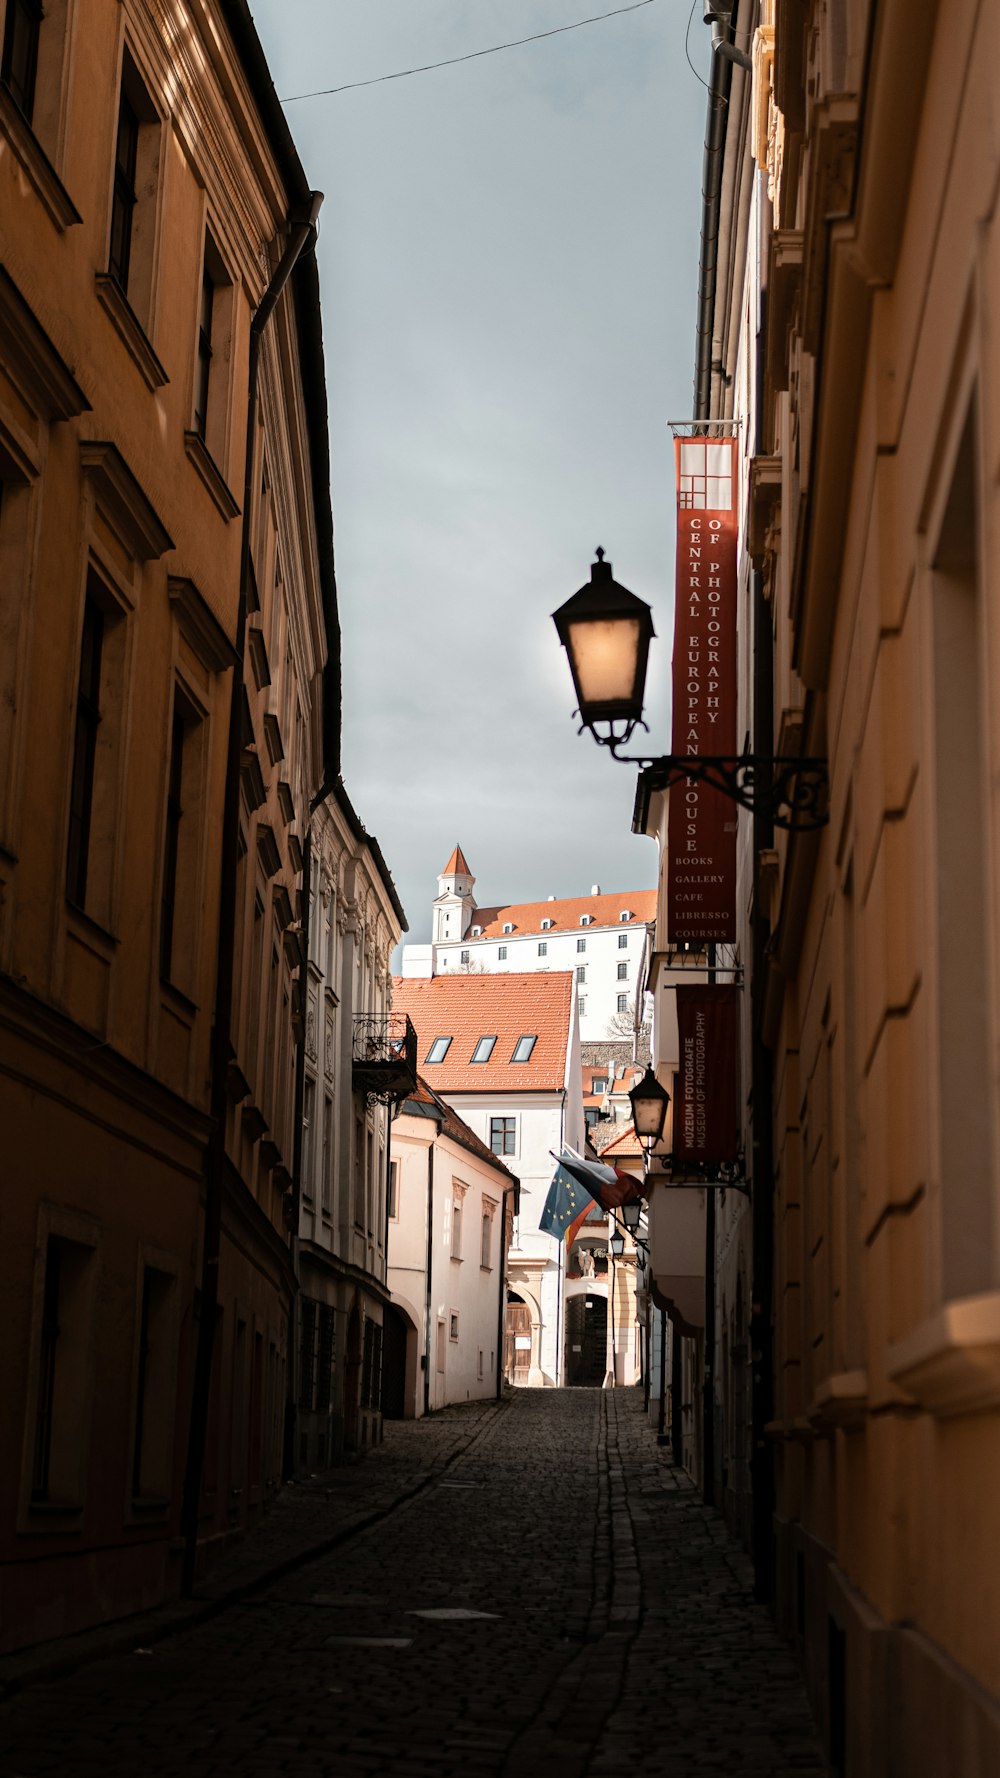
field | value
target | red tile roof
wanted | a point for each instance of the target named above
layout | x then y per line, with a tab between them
527	916
456	865
467	1007
623	1147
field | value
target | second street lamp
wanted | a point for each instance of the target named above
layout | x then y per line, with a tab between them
649	1110
631	1214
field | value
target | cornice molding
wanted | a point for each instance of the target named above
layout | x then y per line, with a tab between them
199	626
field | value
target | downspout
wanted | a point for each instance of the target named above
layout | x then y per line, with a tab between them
711	191
428	1291
508	1191
298	1100
301	233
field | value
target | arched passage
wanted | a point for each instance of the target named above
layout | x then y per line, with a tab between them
586	1339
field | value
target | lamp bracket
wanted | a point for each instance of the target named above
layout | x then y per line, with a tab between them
790	791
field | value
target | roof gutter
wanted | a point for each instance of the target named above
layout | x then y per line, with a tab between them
711	193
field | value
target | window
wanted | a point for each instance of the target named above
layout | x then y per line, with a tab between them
508	927
502	953
453	1326
581	944
438	1050
308	1136
626	915
543	949
168	899
623	1003
214	352
599	1084
464	957
479	1369
203	368
124	200
484	1049
456	1224
581	972
152	1442
547	925
581	1006
324	1367
394	1189
326	1178
623	941
623	972
307	1354
486	1239
88	721
503	1135
586	919
523	1049
20	52
359	1172
62	1369
131	237
440	1347
477	932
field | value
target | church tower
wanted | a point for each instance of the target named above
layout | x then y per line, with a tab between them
454	904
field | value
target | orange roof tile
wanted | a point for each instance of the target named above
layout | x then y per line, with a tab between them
624	1146
527	916
467	1007
456	865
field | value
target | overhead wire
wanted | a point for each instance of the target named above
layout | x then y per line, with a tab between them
327	92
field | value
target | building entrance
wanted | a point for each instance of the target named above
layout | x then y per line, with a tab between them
586	1341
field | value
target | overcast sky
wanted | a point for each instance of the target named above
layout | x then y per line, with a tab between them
509	259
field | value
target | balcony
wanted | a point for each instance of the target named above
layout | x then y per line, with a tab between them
384	1056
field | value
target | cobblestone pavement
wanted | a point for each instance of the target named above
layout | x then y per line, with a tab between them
511	1590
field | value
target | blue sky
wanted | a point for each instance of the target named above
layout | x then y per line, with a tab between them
509	257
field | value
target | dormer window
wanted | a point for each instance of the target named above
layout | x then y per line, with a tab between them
586	919
438	1050
477	932
625	914
547	925
484	1049
508	926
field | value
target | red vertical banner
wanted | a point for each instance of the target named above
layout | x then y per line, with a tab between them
706	1112
701	825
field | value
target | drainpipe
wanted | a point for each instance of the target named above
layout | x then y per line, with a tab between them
428	1291
301	234
508	1191
298	1101
661	1424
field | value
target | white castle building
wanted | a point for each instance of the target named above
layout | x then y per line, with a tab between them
600	938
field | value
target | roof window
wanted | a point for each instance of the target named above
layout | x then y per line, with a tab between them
477	932
523	1049
547	925
586	919
484	1049
626	914
438	1050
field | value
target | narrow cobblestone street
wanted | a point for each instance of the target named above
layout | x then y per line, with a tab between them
514	1590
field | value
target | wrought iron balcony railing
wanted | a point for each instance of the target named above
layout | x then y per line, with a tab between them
384	1055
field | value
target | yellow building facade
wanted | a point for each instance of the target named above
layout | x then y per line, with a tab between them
148	189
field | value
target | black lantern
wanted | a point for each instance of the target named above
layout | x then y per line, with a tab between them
649	1110
606	631
617	1243
631	1214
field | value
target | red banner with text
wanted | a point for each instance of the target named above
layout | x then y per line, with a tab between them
705	1113
701	824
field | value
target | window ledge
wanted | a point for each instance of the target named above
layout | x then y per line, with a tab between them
211	475
150	1503
92	929
456	1259
35	164
951	1363
55	1509
179	1002
840	1401
130	330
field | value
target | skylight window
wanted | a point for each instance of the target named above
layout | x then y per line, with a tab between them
523	1049
438	1050
484	1049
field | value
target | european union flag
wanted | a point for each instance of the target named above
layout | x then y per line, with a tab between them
566	1203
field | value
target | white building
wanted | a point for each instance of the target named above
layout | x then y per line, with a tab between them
599	938
505	1052
351	1067
451	1208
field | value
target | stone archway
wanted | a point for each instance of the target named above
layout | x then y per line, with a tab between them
399	1363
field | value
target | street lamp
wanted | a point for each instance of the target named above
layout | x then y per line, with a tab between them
649	1110
606	632
617	1243
631	1214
